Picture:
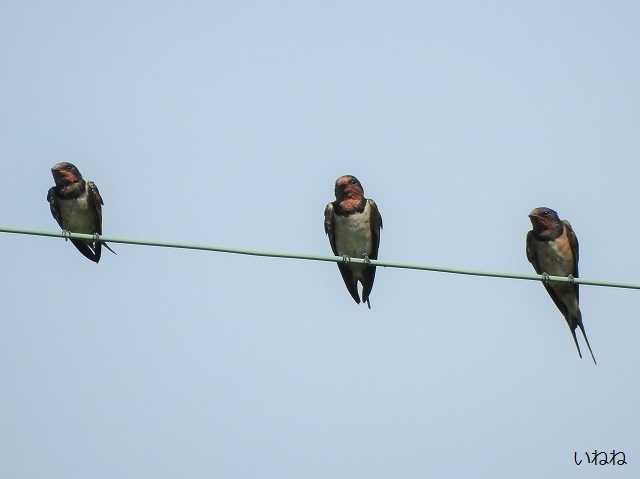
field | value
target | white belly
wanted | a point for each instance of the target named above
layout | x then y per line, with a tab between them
77	215
353	237
353	234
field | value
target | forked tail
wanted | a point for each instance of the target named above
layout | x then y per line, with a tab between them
586	340
584	335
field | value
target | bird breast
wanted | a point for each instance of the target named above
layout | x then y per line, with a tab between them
555	256
77	215
353	233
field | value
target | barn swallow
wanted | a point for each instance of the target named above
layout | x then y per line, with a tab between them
76	205
552	249
353	225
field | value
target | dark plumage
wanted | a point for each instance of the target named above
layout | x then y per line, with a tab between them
353	224
76	205
552	248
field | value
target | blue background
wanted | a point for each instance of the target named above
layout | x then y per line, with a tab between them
227	123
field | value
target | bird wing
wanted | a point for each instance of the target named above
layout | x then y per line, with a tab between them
375	220
376	225
54	206
95	200
531	253
575	247
329	227
575	250
345	271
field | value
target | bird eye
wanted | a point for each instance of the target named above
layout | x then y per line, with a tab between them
353	181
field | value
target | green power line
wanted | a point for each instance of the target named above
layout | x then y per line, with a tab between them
314	257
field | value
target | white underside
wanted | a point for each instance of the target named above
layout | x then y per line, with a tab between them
77	215
353	237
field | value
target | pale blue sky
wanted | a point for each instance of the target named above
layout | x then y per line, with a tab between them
228	123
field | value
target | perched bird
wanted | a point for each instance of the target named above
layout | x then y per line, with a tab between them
76	205
353	225
552	249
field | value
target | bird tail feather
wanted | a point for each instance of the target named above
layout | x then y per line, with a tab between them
108	247
584	335
575	340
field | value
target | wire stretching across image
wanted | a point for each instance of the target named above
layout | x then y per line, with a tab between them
312	257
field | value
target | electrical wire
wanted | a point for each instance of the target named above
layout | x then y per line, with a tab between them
313	257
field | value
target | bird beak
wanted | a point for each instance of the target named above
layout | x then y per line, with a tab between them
534	213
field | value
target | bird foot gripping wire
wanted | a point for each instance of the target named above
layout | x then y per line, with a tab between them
66	234
545	278
96	238
571	279
366	259
346	259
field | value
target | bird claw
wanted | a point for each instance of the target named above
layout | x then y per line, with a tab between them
366	259
66	234
345	259
571	279
96	238
545	278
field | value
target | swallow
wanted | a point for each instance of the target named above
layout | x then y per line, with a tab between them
76	205
353	223
552	249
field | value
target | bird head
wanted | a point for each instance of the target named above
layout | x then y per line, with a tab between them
65	174
543	219
348	186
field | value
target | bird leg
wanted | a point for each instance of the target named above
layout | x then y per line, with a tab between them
545	277
571	279
366	259
345	259
66	234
